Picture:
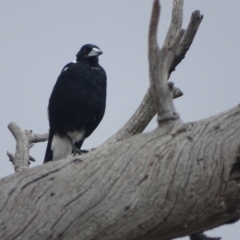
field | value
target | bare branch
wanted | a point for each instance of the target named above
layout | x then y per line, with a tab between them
146	110
35	138
152	37
160	60
24	141
159	75
141	118
21	157
187	40
176	22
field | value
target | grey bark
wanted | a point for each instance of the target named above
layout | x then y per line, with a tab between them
158	185
177	180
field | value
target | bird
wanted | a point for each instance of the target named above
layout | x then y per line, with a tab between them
77	104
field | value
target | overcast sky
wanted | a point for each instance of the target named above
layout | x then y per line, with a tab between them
39	37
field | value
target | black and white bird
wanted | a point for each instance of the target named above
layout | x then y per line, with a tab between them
77	104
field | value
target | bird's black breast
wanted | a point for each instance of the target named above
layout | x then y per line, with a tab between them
78	98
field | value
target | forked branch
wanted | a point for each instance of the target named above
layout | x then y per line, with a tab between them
146	110
24	141
160	60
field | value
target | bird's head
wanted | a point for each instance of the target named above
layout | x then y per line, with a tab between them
88	51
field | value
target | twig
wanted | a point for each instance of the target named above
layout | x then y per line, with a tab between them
35	138
11	157
187	40
176	22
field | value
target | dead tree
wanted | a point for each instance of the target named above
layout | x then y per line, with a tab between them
180	179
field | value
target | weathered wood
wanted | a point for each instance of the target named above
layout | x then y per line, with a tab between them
24	141
157	185
146	110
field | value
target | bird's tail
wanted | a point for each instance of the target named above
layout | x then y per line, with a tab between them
49	154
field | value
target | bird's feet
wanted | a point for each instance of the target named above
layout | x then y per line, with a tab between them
78	151
75	149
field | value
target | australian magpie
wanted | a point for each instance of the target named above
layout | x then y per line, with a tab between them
77	104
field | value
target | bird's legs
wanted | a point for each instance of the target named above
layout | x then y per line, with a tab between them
75	150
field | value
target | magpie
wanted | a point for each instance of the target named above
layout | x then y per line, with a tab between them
77	104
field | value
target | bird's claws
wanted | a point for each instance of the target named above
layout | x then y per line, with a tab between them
78	151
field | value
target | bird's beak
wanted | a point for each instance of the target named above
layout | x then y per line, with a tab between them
95	52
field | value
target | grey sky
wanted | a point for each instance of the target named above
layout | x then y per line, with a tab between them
39	37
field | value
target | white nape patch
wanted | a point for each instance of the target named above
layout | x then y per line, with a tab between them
94	52
66	68
62	147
